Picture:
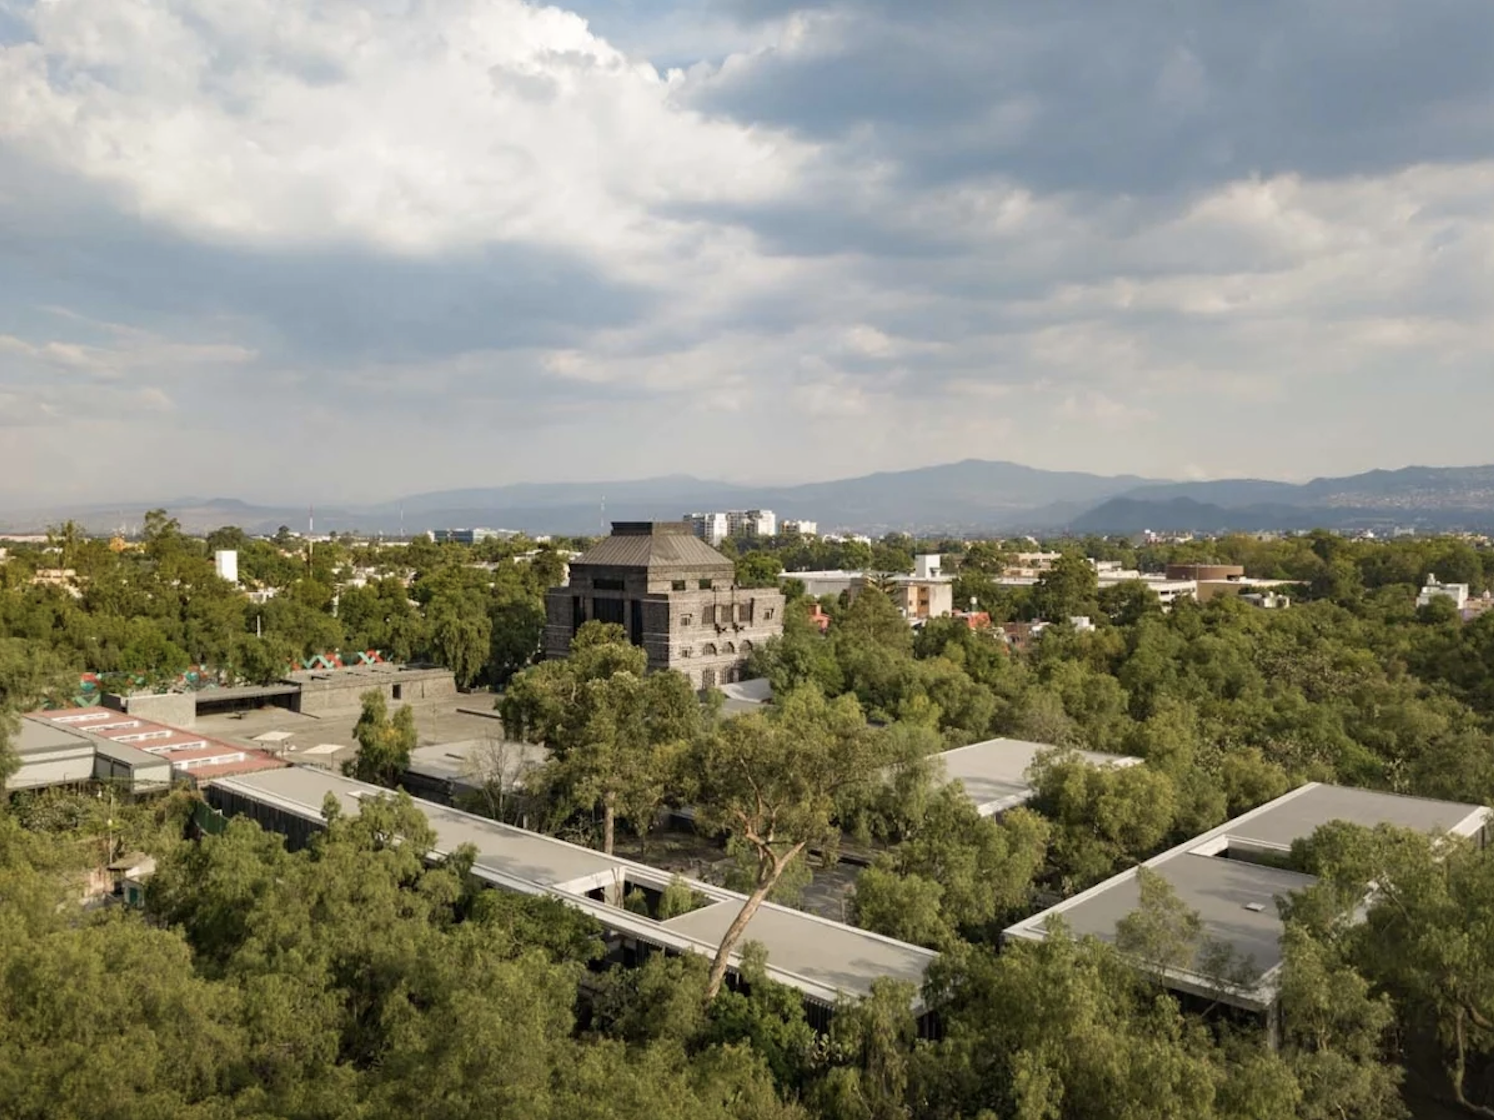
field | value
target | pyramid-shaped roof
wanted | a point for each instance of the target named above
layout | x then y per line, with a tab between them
655	545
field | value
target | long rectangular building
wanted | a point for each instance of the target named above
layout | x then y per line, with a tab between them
1233	878
822	959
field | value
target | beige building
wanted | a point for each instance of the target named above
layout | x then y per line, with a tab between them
673	594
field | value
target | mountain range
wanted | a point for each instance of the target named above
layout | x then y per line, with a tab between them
968	497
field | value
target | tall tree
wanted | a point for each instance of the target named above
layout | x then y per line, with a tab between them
384	743
613	732
772	783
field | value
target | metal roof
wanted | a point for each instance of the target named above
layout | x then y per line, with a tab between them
820	958
665	548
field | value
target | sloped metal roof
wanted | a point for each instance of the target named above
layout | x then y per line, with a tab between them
660	550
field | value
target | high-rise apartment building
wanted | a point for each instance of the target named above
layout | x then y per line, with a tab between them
713	528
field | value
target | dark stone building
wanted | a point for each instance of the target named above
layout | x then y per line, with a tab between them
672	594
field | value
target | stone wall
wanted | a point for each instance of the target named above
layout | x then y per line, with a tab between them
342	690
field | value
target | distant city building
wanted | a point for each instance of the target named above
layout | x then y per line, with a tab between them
1030	565
673	595
713	528
65	579
226	564
1213	573
466	536
803	528
927	593
1457	592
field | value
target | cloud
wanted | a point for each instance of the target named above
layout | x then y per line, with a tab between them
471	241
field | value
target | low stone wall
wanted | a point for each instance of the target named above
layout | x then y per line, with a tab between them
337	693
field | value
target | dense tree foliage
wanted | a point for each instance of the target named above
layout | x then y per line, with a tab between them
357	978
153	607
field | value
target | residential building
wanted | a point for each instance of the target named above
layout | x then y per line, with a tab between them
797	525
1030	565
1235	875
927	593
673	595
832	581
226	564
713	528
466	536
1435	589
752	523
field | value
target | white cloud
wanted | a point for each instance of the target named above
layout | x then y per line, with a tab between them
415	128
848	238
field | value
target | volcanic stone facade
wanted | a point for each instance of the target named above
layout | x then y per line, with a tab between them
672	594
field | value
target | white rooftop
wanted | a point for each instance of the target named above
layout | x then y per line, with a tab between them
466	760
1237	899
820	958
994	773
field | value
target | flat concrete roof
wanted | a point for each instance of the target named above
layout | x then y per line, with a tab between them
243	692
1300	813
821	958
994	772
455	761
812	947
364	672
1236	899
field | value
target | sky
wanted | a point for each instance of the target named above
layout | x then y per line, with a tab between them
346	251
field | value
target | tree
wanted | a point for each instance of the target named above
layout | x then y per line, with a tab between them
758	569
871	619
773	784
614	733
955	873
461	639
30	673
1067	590
384	744
1424	938
1162	933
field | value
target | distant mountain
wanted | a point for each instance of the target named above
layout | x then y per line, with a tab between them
968	497
1411	489
1128	516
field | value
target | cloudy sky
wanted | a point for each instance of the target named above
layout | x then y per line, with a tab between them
348	250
